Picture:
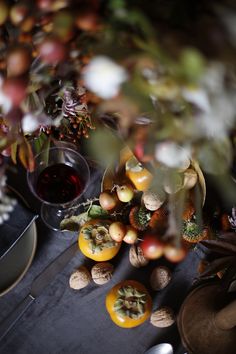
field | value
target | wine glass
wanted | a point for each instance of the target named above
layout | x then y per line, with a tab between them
60	177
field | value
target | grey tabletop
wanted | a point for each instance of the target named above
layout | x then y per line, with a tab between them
62	320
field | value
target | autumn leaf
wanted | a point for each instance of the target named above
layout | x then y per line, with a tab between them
26	155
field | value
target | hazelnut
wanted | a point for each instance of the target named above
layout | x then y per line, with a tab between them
164	317
153	200
160	278
102	272
80	278
136	257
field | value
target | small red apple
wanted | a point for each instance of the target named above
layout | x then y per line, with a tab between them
131	235
152	247
175	253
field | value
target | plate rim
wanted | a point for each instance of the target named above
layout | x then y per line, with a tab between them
34	230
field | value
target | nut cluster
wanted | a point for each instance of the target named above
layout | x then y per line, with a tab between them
101	273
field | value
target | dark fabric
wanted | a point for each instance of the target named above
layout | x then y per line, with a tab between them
65	321
12	229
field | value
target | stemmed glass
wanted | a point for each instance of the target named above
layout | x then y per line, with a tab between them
60	177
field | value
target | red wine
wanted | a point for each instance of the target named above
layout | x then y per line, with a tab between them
59	184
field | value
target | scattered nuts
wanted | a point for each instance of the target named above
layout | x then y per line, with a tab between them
136	257
80	278
160	278
164	317
102	272
153	200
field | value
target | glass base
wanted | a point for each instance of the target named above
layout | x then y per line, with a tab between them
52	217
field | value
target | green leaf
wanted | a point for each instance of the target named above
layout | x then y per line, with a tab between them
14	152
96	212
74	222
40	142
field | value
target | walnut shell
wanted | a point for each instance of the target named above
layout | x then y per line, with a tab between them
153	200
102	272
136	257
80	278
164	317
160	278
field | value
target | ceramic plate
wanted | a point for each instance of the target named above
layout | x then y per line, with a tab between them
17	261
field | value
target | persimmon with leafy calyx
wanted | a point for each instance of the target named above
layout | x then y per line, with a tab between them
129	304
139	217
193	232
95	242
159	219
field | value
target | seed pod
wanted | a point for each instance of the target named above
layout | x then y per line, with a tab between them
164	317
102	272
80	278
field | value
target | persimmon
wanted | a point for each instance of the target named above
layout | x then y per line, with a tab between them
129	304
95	242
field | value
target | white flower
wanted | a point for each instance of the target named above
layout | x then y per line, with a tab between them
198	97
31	122
173	155
104	77
5	102
219	120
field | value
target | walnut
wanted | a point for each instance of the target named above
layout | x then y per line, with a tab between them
102	272
153	200
164	317
160	278
80	278
136	257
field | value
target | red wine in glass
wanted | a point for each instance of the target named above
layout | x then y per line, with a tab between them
59	184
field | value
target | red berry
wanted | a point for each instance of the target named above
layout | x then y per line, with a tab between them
15	89
52	51
152	247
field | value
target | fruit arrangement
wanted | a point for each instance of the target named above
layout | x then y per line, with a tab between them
139	215
132	208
